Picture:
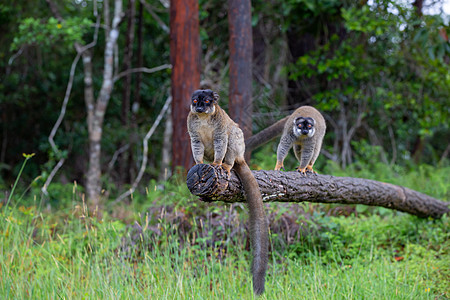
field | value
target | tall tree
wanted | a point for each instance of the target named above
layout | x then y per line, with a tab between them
96	109
185	59
241	51
96	118
125	160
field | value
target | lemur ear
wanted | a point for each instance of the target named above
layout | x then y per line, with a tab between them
299	120
216	96
195	93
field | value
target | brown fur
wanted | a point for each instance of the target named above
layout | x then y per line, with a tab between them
306	149
217	138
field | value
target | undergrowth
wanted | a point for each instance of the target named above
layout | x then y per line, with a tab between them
166	244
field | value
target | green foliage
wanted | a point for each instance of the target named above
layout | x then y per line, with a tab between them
37	51
386	70
36	32
72	252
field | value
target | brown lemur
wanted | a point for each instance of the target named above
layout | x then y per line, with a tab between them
304	129
218	139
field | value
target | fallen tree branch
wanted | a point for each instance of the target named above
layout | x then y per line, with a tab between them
211	184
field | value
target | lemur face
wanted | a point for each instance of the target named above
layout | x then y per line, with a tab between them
202	101
304	126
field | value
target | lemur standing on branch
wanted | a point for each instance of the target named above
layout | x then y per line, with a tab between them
217	138
304	129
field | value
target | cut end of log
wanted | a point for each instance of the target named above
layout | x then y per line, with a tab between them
202	179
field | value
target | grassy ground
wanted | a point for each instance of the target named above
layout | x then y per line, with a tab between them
172	253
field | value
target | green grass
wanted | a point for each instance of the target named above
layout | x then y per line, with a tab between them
66	253
41	259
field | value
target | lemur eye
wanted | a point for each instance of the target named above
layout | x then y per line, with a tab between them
206	101
300	125
309	125
195	100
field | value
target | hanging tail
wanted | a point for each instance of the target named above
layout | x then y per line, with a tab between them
259	227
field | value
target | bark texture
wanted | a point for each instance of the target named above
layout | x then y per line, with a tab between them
241	51
185	60
125	161
211	184
97	110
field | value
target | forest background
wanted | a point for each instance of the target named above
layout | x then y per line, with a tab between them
84	83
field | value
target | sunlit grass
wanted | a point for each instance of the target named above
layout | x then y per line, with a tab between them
67	253
80	259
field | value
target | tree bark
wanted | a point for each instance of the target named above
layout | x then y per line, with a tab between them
241	51
134	137
124	160
93	186
211	184
185	60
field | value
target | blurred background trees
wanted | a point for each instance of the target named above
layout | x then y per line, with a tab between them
379	71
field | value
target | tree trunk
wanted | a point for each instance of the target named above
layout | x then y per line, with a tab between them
211	184
134	137
241	51
93	186
185	60
124	162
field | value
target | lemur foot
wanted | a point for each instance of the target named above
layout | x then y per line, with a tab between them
279	166
302	170
310	169
227	168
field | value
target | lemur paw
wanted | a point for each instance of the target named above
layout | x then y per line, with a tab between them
227	168
301	170
310	169
279	166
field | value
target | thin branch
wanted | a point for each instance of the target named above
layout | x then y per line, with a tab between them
52	174
116	59
393	144
106	17
80	51
116	155
5	140
445	154
12	58
143	70
145	152
64	105
328	155
55	10
374	140
155	16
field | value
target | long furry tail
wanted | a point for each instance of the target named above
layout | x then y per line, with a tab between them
259	227
265	135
